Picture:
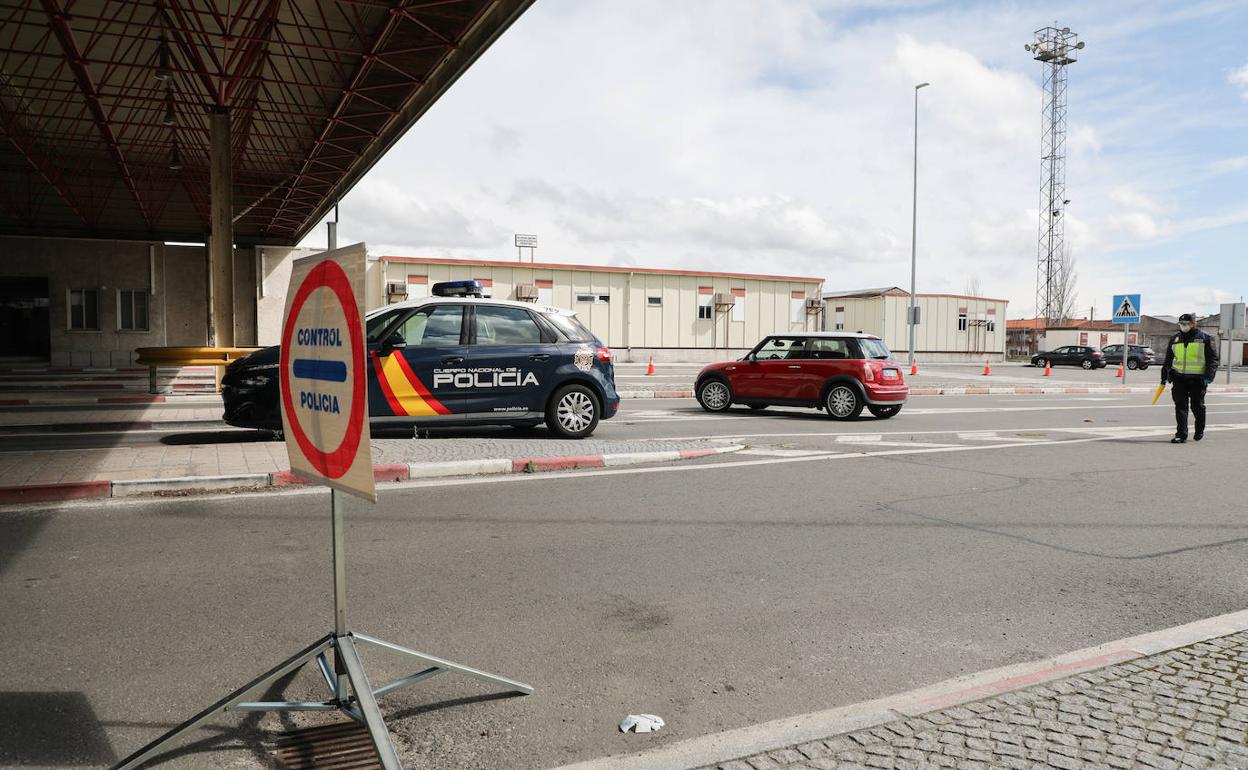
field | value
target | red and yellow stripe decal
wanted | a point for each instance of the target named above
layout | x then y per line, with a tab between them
406	394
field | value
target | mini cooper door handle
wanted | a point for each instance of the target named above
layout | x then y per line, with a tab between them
453	360
540	357
795	366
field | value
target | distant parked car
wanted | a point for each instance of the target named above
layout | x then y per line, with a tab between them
1071	355
1140	357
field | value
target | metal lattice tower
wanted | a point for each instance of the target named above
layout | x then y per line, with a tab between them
1054	47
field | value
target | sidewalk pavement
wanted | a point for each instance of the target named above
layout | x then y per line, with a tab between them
119	471
1171	700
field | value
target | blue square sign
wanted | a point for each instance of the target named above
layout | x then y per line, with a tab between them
1126	308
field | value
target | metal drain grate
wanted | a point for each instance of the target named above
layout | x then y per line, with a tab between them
343	746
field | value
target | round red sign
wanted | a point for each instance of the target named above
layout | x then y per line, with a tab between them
331	463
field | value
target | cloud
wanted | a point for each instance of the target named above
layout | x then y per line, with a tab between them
1239	79
783	142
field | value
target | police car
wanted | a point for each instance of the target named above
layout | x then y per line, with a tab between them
458	359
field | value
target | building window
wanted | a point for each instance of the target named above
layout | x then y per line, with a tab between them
83	309
132	310
585	298
654	301
962	320
992	325
706	307
594	299
738	304
840	319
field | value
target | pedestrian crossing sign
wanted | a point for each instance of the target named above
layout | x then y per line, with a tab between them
1126	308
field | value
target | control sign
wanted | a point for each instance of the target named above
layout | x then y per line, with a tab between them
1126	308
324	381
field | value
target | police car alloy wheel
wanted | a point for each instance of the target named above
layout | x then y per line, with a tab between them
843	403
715	396
573	412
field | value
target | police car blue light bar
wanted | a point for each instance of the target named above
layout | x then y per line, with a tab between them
458	289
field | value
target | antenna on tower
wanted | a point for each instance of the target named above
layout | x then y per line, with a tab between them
1056	48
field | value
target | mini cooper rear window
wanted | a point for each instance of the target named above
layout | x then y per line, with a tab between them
874	349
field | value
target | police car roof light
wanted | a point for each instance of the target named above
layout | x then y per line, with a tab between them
458	289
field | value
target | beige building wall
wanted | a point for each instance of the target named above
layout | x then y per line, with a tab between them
617	305
939	335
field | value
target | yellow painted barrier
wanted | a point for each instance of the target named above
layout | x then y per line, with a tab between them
154	358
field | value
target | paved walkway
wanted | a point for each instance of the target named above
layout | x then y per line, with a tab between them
267	456
1182	709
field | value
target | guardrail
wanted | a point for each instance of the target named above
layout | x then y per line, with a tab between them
154	358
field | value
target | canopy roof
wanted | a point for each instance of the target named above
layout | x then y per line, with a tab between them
95	95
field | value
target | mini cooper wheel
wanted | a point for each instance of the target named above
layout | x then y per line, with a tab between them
883	412
573	412
715	396
843	402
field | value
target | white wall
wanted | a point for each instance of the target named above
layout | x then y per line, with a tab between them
627	319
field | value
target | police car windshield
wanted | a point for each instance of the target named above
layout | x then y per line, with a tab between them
874	349
570	327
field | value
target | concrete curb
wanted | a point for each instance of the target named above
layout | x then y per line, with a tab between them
382	472
791	731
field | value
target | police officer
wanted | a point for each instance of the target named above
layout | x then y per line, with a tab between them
1191	362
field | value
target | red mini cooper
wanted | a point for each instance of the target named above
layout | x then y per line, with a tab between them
836	371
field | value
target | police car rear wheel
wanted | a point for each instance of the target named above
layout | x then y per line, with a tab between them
573	413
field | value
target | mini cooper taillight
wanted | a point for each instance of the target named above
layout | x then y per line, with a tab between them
868	373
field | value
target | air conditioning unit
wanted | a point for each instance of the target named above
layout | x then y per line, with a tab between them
526	292
724	300
396	289
814	305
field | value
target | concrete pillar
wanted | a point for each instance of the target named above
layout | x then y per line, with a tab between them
221	237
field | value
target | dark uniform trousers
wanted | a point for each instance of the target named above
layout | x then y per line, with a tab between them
1185	390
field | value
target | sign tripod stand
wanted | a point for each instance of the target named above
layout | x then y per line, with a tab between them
349	688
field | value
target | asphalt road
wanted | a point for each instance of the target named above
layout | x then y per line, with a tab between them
827	564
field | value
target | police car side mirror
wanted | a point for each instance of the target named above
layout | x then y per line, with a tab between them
395	343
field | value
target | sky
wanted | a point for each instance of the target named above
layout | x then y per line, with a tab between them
776	136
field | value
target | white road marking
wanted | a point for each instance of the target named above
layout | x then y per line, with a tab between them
1154	430
860	438
781	452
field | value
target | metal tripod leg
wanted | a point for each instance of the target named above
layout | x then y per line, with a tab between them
368	704
277	672
437	665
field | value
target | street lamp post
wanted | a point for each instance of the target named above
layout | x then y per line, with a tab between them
914	221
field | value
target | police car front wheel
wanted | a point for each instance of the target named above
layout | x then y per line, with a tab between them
573	412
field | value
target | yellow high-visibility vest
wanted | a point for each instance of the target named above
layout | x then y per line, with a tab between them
1189	357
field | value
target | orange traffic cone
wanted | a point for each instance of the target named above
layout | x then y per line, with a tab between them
987	367
914	367
650	368
1119	372
1048	369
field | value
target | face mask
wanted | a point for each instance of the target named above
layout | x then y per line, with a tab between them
1185	327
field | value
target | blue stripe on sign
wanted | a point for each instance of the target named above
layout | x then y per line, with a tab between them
333	371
